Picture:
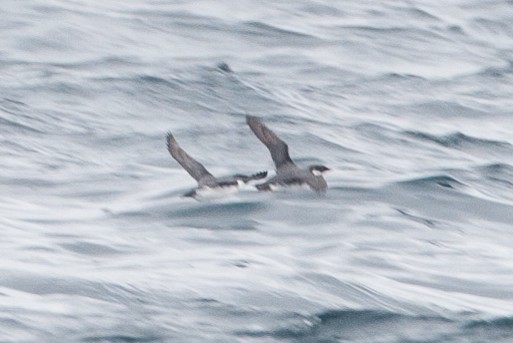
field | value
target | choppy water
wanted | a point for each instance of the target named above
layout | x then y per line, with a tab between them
409	102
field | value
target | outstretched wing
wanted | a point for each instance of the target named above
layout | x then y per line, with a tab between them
278	148
193	167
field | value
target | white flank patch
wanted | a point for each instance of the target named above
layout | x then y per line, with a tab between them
205	193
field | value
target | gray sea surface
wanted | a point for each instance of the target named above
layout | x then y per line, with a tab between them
410	103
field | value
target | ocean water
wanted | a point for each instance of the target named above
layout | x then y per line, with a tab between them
408	102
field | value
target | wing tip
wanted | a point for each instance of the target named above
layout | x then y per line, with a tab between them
170	139
251	119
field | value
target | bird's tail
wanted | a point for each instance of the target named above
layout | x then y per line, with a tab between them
258	176
263	187
190	194
246	178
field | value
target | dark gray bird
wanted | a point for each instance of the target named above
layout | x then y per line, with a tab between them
208	185
287	172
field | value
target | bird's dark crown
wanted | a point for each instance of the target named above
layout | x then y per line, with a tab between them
318	168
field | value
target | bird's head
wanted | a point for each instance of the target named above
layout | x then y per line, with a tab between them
318	169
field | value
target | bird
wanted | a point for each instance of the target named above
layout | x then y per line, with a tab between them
287	172
208	185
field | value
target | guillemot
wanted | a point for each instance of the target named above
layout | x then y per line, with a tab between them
207	183
287	172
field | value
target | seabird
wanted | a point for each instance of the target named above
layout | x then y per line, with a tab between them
287	172
207	183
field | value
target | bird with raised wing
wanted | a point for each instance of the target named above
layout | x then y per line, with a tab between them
208	185
287	172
